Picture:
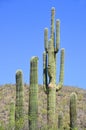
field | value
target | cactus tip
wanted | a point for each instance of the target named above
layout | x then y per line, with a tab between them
57	19
62	49
34	58
46	28
19	71
53	9
73	94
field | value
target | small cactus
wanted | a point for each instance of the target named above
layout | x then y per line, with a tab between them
60	121
33	94
12	116
73	111
19	109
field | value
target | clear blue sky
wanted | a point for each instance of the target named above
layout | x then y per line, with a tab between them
22	24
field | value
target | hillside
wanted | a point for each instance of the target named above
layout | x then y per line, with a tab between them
7	95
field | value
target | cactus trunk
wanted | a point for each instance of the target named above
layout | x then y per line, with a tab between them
51	107
33	94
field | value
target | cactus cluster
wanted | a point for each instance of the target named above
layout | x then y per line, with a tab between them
52	46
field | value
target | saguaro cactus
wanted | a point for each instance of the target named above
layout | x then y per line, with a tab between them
19	109
49	67
73	111
12	116
60	121
33	94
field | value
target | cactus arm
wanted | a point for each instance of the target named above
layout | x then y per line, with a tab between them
46	39
33	94
52	23
45	78
57	35
61	77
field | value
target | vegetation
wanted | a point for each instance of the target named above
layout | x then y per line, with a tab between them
8	94
29	108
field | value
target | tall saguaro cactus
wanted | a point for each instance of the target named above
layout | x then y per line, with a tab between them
33	94
49	67
73	111
19	109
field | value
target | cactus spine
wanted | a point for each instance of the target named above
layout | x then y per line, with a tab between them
49	67
19	100
33	94
73	111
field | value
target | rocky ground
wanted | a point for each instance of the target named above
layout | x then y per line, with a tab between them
7	95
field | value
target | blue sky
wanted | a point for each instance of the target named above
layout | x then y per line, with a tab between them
22	24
